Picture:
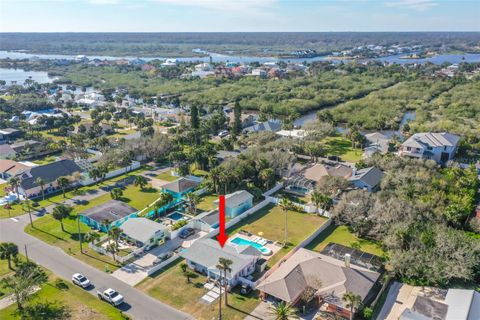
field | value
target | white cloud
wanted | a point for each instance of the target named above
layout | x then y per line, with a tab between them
102	2
223	5
417	5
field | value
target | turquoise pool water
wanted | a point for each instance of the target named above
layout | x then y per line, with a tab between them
245	242
176	216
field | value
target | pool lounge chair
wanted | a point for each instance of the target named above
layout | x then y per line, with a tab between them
262	241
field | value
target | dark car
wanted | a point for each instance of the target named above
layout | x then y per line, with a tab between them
246	289
187	233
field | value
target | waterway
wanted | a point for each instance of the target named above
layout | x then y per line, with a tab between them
437	59
19	76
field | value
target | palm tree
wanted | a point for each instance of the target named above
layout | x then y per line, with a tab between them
91	237
193	199
140	181
352	301
61	212
8	251
14	182
41	182
116	193
225	265
112	249
282	311
94	174
63	183
285	204
114	234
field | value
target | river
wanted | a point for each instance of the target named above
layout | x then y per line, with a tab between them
19	76
437	59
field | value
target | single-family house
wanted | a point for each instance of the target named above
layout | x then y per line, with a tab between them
237	203
440	147
106	215
295	133
303	178
377	143
7	152
367	178
330	277
144	232
204	254
270	125
180	187
9	134
49	173
10	168
259	73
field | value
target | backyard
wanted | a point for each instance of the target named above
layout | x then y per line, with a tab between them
339	146
171	287
166	176
206	202
341	235
269	222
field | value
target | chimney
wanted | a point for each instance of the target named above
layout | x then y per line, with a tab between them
347	260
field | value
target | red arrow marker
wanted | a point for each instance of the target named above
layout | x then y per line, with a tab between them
222	236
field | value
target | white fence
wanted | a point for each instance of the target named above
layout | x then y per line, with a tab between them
135	165
121	259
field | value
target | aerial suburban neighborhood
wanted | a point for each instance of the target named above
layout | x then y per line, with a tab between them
238	175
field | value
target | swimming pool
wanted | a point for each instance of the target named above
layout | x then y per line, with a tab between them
244	242
176	216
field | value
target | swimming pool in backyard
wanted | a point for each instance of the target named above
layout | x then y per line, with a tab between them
177	216
244	242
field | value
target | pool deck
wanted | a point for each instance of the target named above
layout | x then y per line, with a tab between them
269	245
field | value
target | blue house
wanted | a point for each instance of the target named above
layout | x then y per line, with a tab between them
237	203
180	187
107	215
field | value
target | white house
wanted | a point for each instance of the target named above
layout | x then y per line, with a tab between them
204	254
259	73
440	147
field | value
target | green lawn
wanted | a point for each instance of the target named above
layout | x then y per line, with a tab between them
82	304
293	197
206	202
44	160
339	146
271	222
48	229
343	236
172	288
166	176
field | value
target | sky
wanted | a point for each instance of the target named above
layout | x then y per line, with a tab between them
238	15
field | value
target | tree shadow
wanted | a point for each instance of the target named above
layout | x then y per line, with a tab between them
50	234
242	311
149	190
98	259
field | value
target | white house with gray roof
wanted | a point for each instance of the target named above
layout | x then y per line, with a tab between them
204	254
440	147
144	232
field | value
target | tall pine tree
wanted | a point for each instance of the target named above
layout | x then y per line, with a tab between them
237	120
194	120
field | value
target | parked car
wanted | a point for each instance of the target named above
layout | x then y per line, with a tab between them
111	296
223	133
246	289
163	257
80	280
185	233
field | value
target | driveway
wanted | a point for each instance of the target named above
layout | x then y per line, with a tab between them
135	272
137	304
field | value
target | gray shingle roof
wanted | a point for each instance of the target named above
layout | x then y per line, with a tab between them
370	176
50	172
141	229
270	125
206	252
180	185
112	210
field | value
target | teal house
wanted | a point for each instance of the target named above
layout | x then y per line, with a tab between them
237	203
107	215
180	187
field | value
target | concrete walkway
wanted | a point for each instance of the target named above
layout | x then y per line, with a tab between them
9	300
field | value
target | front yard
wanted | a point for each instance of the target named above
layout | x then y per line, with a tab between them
343	236
172	288
48	229
269	222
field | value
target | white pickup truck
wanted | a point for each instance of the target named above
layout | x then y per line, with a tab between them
111	296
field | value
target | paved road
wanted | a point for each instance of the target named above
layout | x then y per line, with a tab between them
138	305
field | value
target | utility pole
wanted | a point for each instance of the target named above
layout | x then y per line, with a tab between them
26	252
79	234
